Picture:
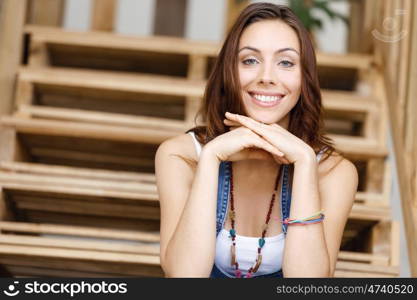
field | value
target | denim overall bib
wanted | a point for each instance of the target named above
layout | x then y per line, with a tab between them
222	207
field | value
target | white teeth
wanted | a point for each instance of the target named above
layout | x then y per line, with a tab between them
266	98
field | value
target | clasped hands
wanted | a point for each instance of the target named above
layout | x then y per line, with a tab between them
293	149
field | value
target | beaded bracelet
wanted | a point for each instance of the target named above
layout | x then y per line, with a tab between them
313	219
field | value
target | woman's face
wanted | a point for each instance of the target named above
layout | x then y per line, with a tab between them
269	71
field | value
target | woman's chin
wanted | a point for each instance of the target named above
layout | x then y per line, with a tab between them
270	119
265	118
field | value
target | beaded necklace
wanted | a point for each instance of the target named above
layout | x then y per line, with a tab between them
232	231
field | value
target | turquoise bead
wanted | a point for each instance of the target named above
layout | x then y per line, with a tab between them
261	242
232	232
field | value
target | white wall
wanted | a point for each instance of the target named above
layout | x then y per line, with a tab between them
77	15
135	17
205	19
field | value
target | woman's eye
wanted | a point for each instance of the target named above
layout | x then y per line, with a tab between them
286	63
249	61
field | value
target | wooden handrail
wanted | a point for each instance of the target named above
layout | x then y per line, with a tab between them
395	55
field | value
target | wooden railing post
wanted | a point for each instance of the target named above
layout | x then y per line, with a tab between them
103	15
45	12
12	16
234	7
170	17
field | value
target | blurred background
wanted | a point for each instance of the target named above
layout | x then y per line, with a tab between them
90	88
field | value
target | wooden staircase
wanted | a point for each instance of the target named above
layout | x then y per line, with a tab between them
77	161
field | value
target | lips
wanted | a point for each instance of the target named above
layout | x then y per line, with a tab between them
266	99
266	93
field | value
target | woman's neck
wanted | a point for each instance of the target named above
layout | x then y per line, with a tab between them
255	172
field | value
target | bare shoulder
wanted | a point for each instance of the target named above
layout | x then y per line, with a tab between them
181	146
336	166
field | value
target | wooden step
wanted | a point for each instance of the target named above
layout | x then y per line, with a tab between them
45	193
374	186
41	195
126	185
93	117
81	260
49	237
100	39
177	127
17	271
110	92
161	96
79	249
79	231
165	44
39	169
352	269
78	144
140	188
82	130
370	213
347	113
349	60
378	238
363	258
351	119
112	81
103	51
185	58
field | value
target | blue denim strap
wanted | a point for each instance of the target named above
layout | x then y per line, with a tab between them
222	194
285	196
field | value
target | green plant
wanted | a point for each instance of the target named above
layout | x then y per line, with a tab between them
303	9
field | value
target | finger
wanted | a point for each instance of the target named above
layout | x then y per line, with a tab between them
279	159
263	130
283	160
287	161
263	144
246	121
231	123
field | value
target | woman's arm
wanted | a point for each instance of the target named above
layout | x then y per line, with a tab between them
311	250
188	211
188	198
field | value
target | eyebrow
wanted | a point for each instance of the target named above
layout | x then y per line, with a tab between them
278	51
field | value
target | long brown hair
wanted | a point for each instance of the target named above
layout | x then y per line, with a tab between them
223	90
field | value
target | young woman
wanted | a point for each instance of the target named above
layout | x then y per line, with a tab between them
259	191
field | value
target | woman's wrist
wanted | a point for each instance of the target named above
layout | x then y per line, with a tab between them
207	154
308	159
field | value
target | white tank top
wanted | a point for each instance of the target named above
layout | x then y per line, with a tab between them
247	246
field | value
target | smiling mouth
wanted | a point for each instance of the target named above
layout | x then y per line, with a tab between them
266	100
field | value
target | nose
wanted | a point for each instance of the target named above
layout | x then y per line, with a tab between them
266	81
266	76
